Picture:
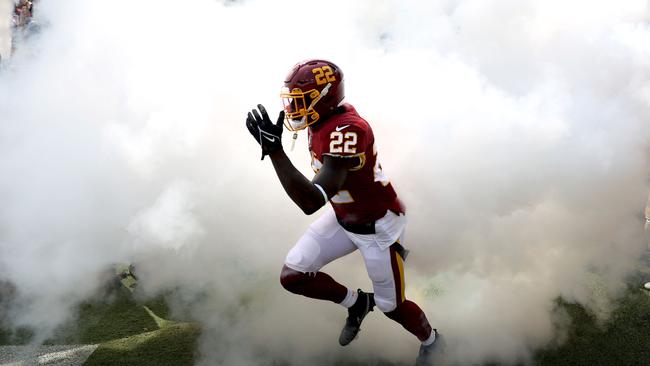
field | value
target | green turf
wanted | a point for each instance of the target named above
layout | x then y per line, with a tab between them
133	332
15	336
10	336
172	345
623	340
112	314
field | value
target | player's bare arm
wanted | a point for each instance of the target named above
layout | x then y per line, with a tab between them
308	195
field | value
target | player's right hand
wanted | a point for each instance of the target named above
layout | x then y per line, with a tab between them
266	133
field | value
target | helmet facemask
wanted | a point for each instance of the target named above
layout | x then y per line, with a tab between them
299	107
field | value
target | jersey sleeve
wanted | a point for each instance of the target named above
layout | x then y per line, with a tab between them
346	140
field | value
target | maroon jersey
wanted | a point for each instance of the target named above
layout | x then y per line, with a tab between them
366	194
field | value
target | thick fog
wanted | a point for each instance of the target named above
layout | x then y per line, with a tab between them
516	132
5	28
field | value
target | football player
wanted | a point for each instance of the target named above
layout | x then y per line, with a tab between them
366	214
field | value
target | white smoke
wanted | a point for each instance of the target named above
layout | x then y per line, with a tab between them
516	132
6	7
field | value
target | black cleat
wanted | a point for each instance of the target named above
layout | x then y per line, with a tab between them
364	304
430	355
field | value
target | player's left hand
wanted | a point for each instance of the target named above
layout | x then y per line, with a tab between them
266	133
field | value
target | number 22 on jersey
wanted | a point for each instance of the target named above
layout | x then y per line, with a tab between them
343	142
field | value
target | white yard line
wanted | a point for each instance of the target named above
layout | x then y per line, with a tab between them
68	355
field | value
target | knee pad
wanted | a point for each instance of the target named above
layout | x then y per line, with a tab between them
305	256
384	304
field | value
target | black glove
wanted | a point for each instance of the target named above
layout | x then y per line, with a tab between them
267	134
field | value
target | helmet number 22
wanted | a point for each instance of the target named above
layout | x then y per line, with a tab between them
343	143
323	75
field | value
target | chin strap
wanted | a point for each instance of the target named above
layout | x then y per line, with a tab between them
293	140
320	96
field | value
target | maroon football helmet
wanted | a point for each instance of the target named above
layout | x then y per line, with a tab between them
312	91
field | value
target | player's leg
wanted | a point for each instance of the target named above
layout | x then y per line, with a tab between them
323	242
386	270
315	285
